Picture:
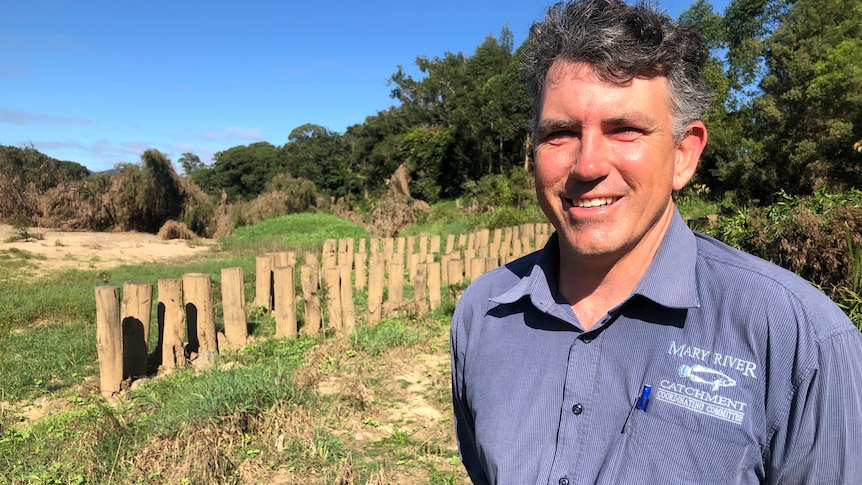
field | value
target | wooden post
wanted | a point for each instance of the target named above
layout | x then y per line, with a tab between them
200	316
456	272
494	254
396	281
137	309
526	245
423	244
263	281
435	244
450	244
376	280
412	263
171	320
420	288
516	249
388	245
462	241
311	259
506	245
434	276
285	307
284	258
477	268
109	339
444	268
483	238
361	267
348	311
332	279
329	258
310	280
233	307
345	252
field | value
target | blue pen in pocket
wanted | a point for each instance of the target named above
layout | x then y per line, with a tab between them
643	401
641	404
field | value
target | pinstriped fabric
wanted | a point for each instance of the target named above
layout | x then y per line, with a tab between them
755	376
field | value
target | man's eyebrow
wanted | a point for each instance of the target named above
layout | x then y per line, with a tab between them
638	119
549	125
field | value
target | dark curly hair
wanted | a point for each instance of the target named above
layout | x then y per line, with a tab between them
620	41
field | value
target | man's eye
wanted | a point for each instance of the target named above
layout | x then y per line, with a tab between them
558	135
627	132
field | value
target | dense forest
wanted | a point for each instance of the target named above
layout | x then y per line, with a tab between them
787	83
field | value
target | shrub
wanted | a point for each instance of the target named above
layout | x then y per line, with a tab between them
175	230
807	235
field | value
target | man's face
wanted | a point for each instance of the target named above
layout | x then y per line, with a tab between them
606	162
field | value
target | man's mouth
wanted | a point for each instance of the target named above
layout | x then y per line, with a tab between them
597	202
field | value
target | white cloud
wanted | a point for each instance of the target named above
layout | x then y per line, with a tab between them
232	133
17	117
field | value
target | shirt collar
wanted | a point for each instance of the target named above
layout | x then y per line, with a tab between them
669	280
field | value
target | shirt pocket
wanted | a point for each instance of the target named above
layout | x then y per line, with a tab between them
657	451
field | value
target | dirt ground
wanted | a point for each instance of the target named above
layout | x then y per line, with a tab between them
99	250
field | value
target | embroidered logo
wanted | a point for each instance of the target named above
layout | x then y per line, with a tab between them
698	386
706	375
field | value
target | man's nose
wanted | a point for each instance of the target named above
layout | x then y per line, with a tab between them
591	158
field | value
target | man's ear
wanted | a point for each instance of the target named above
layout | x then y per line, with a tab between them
688	153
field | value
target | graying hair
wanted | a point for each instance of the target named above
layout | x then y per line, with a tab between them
620	41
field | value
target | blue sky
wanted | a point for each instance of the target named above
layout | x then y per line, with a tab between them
98	82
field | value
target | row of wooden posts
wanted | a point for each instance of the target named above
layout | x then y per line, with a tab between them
186	310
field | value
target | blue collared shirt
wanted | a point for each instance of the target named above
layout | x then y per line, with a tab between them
756	376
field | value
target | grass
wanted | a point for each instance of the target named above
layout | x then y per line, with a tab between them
370	408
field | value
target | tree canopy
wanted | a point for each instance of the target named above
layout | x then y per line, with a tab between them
786	76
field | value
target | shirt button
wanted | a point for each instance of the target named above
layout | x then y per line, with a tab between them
577	409
564	481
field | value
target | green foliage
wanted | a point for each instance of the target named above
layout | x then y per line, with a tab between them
186	400
191	163
426	151
241	172
147	195
850	297
797	71
511	216
316	154
45	360
497	190
296	231
806	235
24	174
388	333
34	454
301	193
480	99
198	210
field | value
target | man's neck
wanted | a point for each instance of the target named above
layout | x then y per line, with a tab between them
594	285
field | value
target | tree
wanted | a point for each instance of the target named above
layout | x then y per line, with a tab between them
788	103
321	156
241	171
190	162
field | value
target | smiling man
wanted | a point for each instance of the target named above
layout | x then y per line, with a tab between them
631	349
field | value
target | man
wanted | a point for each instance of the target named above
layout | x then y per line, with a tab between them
630	349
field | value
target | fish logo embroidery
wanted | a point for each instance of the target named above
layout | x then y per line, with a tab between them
705	375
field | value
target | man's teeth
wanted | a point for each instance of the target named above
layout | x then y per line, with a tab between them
600	201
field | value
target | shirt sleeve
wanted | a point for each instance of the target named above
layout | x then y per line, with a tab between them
464	425
823	434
